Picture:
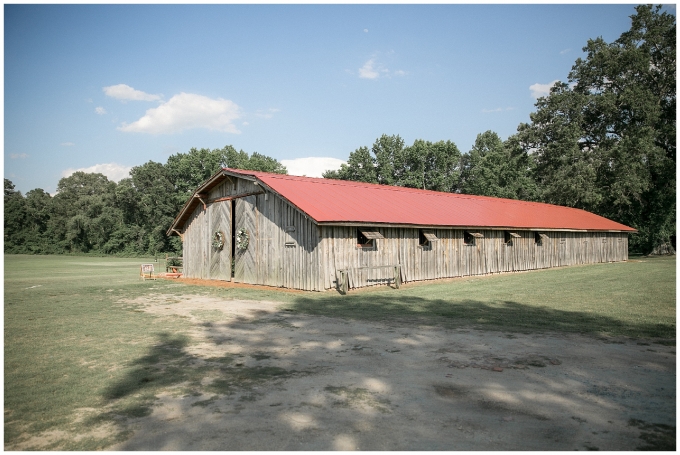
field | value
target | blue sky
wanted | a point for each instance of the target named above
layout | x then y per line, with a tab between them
107	87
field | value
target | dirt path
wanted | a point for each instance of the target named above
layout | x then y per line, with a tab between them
336	384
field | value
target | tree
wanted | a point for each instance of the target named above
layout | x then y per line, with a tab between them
188	170
425	165
606	143
157	204
360	167
15	219
81	218
429	166
496	168
38	210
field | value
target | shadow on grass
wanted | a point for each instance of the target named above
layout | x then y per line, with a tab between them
501	315
165	364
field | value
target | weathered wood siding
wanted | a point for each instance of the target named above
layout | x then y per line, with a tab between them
283	250
200	259
195	245
233	187
451	257
288	246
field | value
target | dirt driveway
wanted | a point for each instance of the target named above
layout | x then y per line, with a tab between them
346	385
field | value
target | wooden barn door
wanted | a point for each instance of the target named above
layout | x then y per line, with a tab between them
220	259
245	267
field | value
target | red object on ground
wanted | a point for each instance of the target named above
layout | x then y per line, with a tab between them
172	275
339	201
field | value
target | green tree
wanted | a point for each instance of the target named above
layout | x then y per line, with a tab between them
15	219
429	166
188	170
496	168
38	210
74	224
154	193
425	165
606	143
360	167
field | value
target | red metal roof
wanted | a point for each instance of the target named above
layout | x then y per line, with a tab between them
339	201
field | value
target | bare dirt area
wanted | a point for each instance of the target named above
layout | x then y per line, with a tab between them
297	382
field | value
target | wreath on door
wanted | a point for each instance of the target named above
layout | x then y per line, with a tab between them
242	239
218	240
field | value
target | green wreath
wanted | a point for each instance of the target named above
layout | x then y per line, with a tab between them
242	239
218	240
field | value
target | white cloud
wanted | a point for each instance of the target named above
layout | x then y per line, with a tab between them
365	30
186	111
113	171
18	156
312	166
539	90
266	113
100	110
125	92
564	51
400	73
498	109
368	71
67	144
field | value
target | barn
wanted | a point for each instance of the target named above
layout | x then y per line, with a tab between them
317	234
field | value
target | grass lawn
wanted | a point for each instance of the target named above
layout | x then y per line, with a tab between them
78	354
635	298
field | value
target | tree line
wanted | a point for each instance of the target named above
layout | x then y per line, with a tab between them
90	213
604	141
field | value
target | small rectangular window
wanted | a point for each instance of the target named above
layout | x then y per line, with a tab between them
426	237
366	237
469	237
290	240
509	236
540	238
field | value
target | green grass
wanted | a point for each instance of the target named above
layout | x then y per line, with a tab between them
78	354
635	298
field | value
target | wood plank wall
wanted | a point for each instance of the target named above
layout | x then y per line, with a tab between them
288	246
196	247
283	258
450	257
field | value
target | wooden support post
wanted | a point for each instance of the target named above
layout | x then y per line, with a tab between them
397	276
181	236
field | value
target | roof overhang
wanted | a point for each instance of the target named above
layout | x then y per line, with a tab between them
486	228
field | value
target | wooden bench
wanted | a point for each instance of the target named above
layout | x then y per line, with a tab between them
343	283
